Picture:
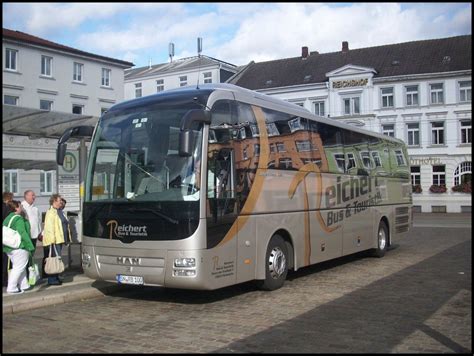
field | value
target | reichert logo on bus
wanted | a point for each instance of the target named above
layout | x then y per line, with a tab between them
124	230
363	189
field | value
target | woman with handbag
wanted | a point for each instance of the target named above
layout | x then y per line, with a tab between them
17	280
53	236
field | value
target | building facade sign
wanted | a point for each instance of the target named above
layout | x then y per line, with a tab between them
426	160
337	84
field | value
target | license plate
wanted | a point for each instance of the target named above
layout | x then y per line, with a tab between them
129	279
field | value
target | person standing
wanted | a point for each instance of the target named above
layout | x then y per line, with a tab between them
17	281
33	215
7	197
53	235
65	222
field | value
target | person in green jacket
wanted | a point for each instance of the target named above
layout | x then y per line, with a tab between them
17	280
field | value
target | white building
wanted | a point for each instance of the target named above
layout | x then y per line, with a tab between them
417	91
48	87
181	72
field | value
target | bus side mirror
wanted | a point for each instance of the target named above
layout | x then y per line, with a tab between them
78	131
185	134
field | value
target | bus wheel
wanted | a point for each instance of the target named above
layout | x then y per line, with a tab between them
276	264
382	240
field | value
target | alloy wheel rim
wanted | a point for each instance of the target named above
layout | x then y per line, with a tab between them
382	239
276	263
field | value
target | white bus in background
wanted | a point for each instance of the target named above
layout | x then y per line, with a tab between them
203	188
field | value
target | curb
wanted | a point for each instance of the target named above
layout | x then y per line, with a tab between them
102	289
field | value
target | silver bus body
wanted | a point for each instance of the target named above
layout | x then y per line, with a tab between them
320	214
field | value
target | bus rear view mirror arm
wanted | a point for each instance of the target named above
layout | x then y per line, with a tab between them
185	134
76	132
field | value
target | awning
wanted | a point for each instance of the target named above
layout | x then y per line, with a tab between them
36	123
8	163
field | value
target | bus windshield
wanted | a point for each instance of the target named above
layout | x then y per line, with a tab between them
137	185
134	157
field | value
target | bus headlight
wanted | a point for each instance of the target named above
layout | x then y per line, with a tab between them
184	267
184	272
185	262
86	260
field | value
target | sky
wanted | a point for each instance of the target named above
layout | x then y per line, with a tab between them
236	33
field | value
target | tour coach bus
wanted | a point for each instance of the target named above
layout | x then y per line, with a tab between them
206	187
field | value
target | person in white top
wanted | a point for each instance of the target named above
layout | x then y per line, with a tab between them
33	214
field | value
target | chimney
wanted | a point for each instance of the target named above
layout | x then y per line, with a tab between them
304	52
345	46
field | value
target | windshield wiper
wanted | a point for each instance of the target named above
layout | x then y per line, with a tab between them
161	215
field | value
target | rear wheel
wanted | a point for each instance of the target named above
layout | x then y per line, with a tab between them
382	240
276	264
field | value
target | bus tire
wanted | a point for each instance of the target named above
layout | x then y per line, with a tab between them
382	240
276	264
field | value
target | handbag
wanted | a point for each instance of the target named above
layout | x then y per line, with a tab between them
10	237
53	265
33	272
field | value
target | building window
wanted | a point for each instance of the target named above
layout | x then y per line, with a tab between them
413	133
319	108
138	90
351	106
340	161
10	100
303	146
244	154
415	175
296	124
400	158
183	81
160	85
465	91
437	133
376	157
77	75
285	163
466	131
46	105
106	77
463	173
46	182
77	109
411	95
436	93
351	163
11	56
389	130
10	181
46	66
256	149
280	147
207	77
272	129
365	157
387	97
439	175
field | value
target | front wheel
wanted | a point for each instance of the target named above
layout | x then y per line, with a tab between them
382	240
276	264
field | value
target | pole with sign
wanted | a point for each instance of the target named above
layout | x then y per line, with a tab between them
68	181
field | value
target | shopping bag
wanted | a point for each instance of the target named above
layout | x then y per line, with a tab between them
53	265
10	237
33	274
